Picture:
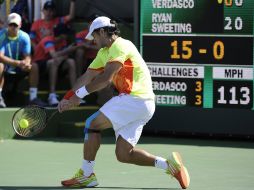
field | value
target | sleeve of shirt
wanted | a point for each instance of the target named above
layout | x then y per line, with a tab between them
117	53
48	45
98	63
1	42
2	50
26	50
2	38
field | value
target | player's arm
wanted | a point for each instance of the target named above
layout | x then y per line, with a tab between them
26	52
70	100
80	90
16	63
71	14
8	60
86	78
27	63
105	78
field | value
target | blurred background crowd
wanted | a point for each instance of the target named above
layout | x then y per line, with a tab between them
42	51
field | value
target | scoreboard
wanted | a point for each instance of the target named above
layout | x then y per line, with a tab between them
199	53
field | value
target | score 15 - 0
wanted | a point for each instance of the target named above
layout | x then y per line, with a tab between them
183	50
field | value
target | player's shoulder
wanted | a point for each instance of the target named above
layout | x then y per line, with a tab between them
122	43
24	37
102	52
23	34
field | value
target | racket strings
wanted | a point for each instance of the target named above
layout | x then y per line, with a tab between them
36	118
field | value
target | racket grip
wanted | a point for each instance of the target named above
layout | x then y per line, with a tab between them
69	94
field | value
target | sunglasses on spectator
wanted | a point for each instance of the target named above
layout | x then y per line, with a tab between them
13	25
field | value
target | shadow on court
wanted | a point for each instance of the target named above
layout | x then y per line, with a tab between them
148	139
135	188
26	187
51	187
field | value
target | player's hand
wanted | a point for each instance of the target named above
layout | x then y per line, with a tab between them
65	105
24	65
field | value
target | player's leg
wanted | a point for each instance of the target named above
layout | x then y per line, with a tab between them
128	117
126	153
85	176
2	103
94	124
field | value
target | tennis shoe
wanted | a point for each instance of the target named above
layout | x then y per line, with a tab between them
178	170
52	100
79	180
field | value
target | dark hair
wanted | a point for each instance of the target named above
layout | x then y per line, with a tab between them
61	29
111	29
49	5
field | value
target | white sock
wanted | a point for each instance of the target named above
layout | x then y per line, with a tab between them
33	93
1	92
161	163
87	167
52	95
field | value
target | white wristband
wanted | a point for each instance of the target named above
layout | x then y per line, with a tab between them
81	92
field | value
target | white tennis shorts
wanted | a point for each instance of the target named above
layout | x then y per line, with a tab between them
128	114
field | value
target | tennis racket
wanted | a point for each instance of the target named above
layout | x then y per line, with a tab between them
36	118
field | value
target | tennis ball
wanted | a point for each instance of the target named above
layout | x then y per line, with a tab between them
23	123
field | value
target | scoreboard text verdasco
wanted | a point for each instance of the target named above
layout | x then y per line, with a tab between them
200	53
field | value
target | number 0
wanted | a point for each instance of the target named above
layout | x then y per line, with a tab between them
218	50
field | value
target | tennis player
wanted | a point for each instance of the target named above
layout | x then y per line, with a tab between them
118	61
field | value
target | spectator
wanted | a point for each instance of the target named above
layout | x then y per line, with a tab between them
21	7
49	55
15	49
87	51
44	27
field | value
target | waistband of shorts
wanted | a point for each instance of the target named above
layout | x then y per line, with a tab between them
124	94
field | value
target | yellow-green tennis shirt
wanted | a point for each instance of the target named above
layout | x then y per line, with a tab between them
134	78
